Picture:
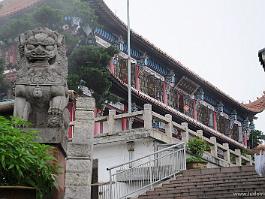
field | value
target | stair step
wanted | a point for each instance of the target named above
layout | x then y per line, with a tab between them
218	183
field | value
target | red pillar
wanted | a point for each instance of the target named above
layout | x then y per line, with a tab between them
195	110
214	121
71	109
165	100
97	124
137	77
124	120
112	67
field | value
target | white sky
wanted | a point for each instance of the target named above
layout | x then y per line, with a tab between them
217	39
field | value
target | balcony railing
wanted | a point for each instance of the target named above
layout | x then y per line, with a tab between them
152	121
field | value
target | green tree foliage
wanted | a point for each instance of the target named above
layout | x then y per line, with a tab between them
14	27
256	138
88	63
48	17
23	161
51	15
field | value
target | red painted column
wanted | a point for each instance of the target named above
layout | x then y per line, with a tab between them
214	121
112	67
195	110
137	77
165	99
97	124
71	109
124	120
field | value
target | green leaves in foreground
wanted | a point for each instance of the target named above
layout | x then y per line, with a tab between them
23	161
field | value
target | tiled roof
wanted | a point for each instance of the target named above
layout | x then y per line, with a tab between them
258	105
10	7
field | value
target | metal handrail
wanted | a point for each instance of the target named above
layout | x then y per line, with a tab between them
136	176
159	151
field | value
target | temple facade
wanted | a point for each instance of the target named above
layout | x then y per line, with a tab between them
170	105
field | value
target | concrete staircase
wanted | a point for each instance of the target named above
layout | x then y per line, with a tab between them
230	182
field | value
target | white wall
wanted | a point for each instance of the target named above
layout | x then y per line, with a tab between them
115	153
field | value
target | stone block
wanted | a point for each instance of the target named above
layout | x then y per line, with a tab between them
84	115
77	192
79	150
78	166
55	136
78	179
85	103
81	136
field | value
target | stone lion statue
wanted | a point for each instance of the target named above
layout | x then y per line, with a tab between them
41	87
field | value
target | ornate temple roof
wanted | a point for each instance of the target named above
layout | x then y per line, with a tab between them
258	105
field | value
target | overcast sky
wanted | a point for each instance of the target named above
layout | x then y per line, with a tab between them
217	39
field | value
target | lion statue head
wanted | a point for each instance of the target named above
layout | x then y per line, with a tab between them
42	50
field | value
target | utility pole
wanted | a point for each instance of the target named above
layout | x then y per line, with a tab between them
129	59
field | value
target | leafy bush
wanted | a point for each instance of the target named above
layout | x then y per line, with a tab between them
23	161
196	146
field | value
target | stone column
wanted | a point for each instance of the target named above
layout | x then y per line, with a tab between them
147	116
185	134
169	125
79	152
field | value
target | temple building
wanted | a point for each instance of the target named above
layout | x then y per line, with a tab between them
170	105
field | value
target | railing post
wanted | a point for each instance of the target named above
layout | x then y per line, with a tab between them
185	133
169	125
111	121
250	159
150	173
227	153
200	133
110	184
147	116
214	147
238	158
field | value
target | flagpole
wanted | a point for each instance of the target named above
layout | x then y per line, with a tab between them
129	59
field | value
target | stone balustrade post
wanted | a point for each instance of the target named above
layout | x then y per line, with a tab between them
214	146
238	158
200	133
111	121
227	152
185	133
169	125
250	159
78	171
147	116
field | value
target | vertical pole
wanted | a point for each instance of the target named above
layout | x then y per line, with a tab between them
214	121
150	173
129	59
110	184
165	98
